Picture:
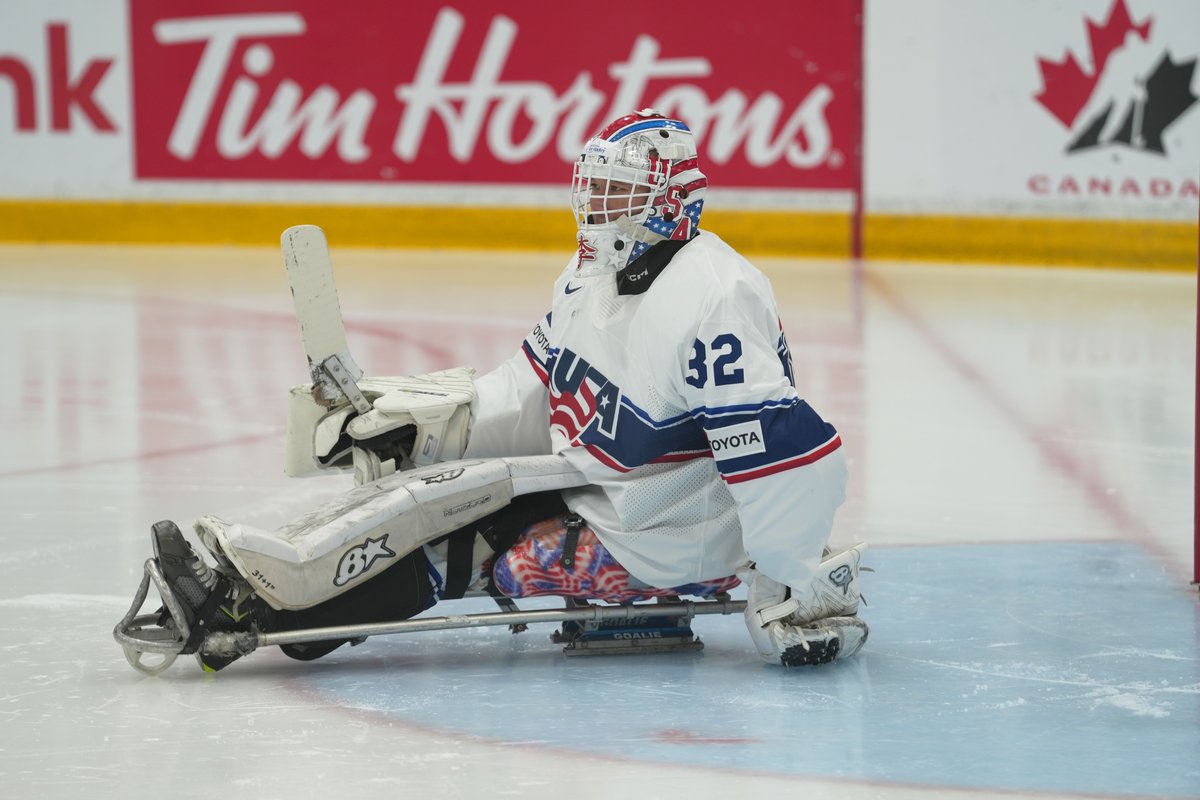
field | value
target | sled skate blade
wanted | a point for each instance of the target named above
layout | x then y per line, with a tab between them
150	647
643	631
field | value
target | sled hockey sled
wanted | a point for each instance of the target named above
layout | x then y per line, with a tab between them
152	641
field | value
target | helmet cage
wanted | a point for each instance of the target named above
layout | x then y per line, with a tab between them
620	181
638	183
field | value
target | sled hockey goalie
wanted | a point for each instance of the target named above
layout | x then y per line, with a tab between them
646	444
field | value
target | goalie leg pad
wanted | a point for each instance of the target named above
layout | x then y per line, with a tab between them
462	562
338	545
400	592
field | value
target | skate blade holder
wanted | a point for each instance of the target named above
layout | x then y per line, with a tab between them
149	647
661	627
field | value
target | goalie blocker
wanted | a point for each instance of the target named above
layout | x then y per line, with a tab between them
413	421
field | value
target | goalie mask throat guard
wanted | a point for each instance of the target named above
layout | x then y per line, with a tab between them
636	184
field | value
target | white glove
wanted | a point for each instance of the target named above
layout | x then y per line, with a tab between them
437	404
767	604
783	635
434	408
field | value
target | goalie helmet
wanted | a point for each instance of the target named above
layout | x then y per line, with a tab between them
637	183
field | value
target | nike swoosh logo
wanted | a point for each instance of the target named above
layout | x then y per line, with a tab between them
570	290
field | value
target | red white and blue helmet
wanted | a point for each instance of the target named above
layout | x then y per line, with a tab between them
659	188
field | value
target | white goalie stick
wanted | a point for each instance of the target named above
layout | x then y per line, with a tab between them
310	273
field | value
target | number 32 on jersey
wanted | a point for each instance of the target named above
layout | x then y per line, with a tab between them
717	359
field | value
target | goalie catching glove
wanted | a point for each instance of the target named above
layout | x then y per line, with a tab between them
813	626
414	421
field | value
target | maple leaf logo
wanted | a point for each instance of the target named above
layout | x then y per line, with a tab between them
1128	94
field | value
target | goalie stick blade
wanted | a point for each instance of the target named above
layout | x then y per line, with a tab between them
314	294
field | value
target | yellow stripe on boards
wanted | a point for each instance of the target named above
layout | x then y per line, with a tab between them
1128	244
1142	244
227	223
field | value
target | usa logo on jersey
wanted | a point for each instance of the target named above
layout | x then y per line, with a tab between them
581	397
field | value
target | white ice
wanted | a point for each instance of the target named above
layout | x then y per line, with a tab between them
1021	443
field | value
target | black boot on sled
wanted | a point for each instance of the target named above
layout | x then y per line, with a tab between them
211	601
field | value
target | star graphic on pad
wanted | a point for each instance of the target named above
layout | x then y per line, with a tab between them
376	548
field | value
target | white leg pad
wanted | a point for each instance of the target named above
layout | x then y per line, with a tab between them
335	546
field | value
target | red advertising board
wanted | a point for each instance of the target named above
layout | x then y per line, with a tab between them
486	92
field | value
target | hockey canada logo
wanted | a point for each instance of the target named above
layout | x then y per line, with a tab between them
1127	91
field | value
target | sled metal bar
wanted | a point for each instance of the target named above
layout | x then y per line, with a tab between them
140	634
223	643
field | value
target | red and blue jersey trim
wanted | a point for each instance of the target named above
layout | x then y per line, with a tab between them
537	366
537	362
804	459
794	437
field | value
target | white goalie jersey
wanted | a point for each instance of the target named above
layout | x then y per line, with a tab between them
670	388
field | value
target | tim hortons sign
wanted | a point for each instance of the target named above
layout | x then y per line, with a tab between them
484	92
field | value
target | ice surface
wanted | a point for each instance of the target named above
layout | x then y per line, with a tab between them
1021	445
